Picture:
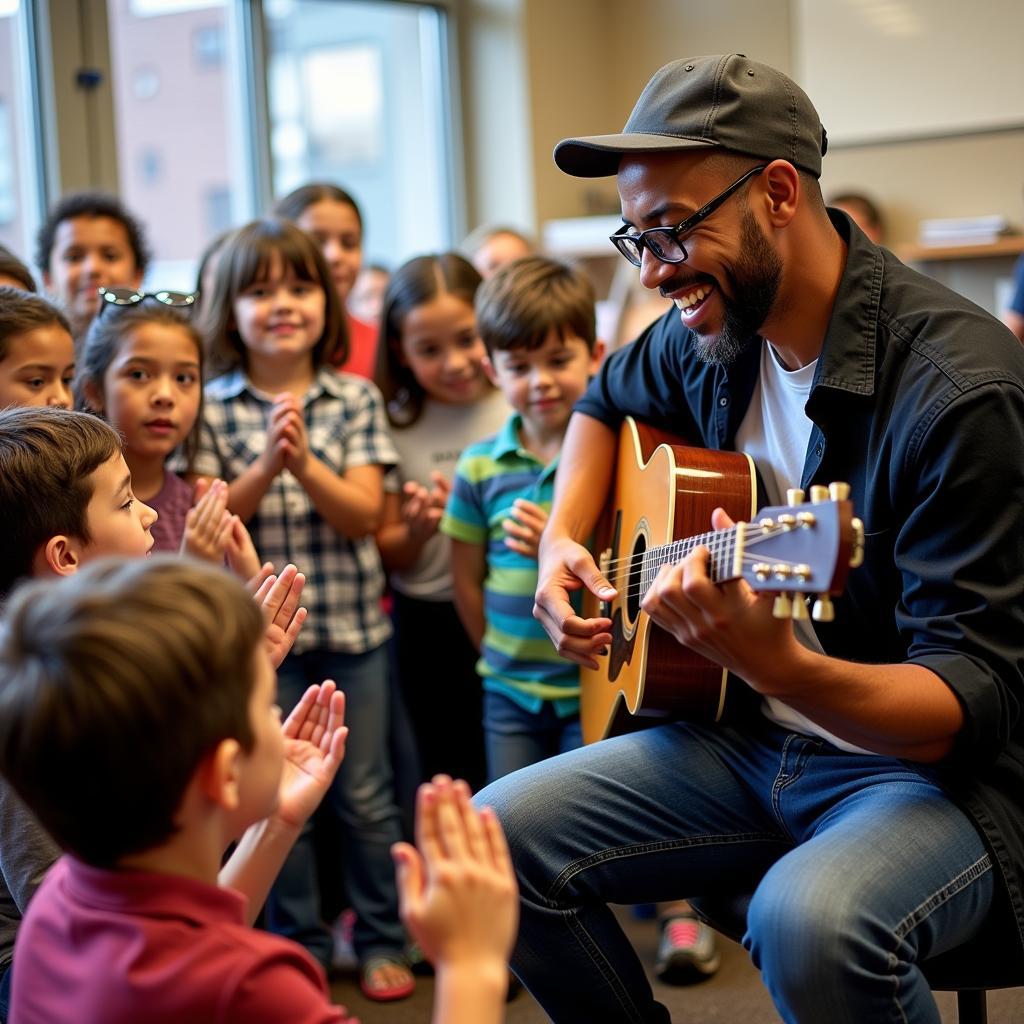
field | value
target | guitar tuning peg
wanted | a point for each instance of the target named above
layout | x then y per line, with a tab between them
857	553
799	607
838	491
783	607
819	493
823	610
795	496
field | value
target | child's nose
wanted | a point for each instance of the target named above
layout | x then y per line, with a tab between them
332	250
148	515
90	265
60	399
162	392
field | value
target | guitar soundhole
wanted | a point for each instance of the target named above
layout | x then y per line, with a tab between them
634	588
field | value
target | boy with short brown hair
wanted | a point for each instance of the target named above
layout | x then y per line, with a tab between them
160	666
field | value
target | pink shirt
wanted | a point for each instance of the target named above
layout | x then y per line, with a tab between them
129	946
172	503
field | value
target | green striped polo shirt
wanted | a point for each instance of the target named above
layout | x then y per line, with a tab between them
517	657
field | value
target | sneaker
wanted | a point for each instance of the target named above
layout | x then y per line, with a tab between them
687	951
343	956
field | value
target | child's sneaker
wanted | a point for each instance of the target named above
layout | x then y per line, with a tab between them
687	951
343	957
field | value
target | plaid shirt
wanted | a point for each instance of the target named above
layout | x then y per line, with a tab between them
344	418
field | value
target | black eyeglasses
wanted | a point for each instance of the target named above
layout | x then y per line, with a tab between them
132	297
666	243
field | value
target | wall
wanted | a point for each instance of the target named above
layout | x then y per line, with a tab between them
496	117
584	63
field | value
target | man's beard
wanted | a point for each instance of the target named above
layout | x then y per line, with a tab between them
754	283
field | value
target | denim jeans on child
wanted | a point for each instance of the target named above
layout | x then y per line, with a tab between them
362	796
515	737
859	867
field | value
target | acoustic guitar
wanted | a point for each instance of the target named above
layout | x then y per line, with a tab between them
663	495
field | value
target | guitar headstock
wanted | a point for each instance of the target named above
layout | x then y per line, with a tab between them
801	549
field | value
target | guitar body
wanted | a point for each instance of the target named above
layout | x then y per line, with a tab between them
662	490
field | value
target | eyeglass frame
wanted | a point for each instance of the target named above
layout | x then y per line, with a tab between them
121	297
684	227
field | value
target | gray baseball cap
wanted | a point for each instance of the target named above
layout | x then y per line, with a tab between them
725	101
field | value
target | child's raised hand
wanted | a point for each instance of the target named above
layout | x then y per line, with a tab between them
524	526
457	892
314	746
241	554
278	596
208	523
424	507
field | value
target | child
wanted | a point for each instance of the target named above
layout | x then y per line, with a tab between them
37	356
160	666
303	450
141	368
366	300
332	217
430	369
491	246
65	492
536	318
89	241
14	273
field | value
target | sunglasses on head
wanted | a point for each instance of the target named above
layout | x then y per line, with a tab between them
133	296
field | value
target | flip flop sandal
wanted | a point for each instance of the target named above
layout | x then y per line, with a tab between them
385	993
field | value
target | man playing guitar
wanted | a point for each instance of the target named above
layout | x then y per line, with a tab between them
870	796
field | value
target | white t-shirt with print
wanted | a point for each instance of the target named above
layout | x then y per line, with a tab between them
435	442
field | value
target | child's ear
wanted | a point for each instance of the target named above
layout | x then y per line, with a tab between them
489	370
59	556
596	355
220	774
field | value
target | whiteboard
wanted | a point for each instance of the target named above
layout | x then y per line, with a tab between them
878	70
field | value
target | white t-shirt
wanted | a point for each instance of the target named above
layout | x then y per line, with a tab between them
435	442
775	432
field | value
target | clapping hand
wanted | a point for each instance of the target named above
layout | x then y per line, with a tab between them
457	890
278	596
424	506
208	523
314	746
524	526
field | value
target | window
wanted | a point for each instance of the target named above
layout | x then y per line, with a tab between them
208	46
20	179
8	204
358	97
173	143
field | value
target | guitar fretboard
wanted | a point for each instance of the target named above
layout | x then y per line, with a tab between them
721	543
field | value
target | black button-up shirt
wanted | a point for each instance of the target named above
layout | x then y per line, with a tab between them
918	404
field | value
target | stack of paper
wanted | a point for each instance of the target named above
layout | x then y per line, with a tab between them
965	230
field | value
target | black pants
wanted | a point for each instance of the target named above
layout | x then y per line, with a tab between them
435	666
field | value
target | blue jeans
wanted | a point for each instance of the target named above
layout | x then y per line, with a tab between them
860	868
362	797
5	992
515	737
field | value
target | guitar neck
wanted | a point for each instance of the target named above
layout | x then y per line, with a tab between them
723	545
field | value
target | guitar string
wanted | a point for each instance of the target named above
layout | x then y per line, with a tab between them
634	587
716	542
652	570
